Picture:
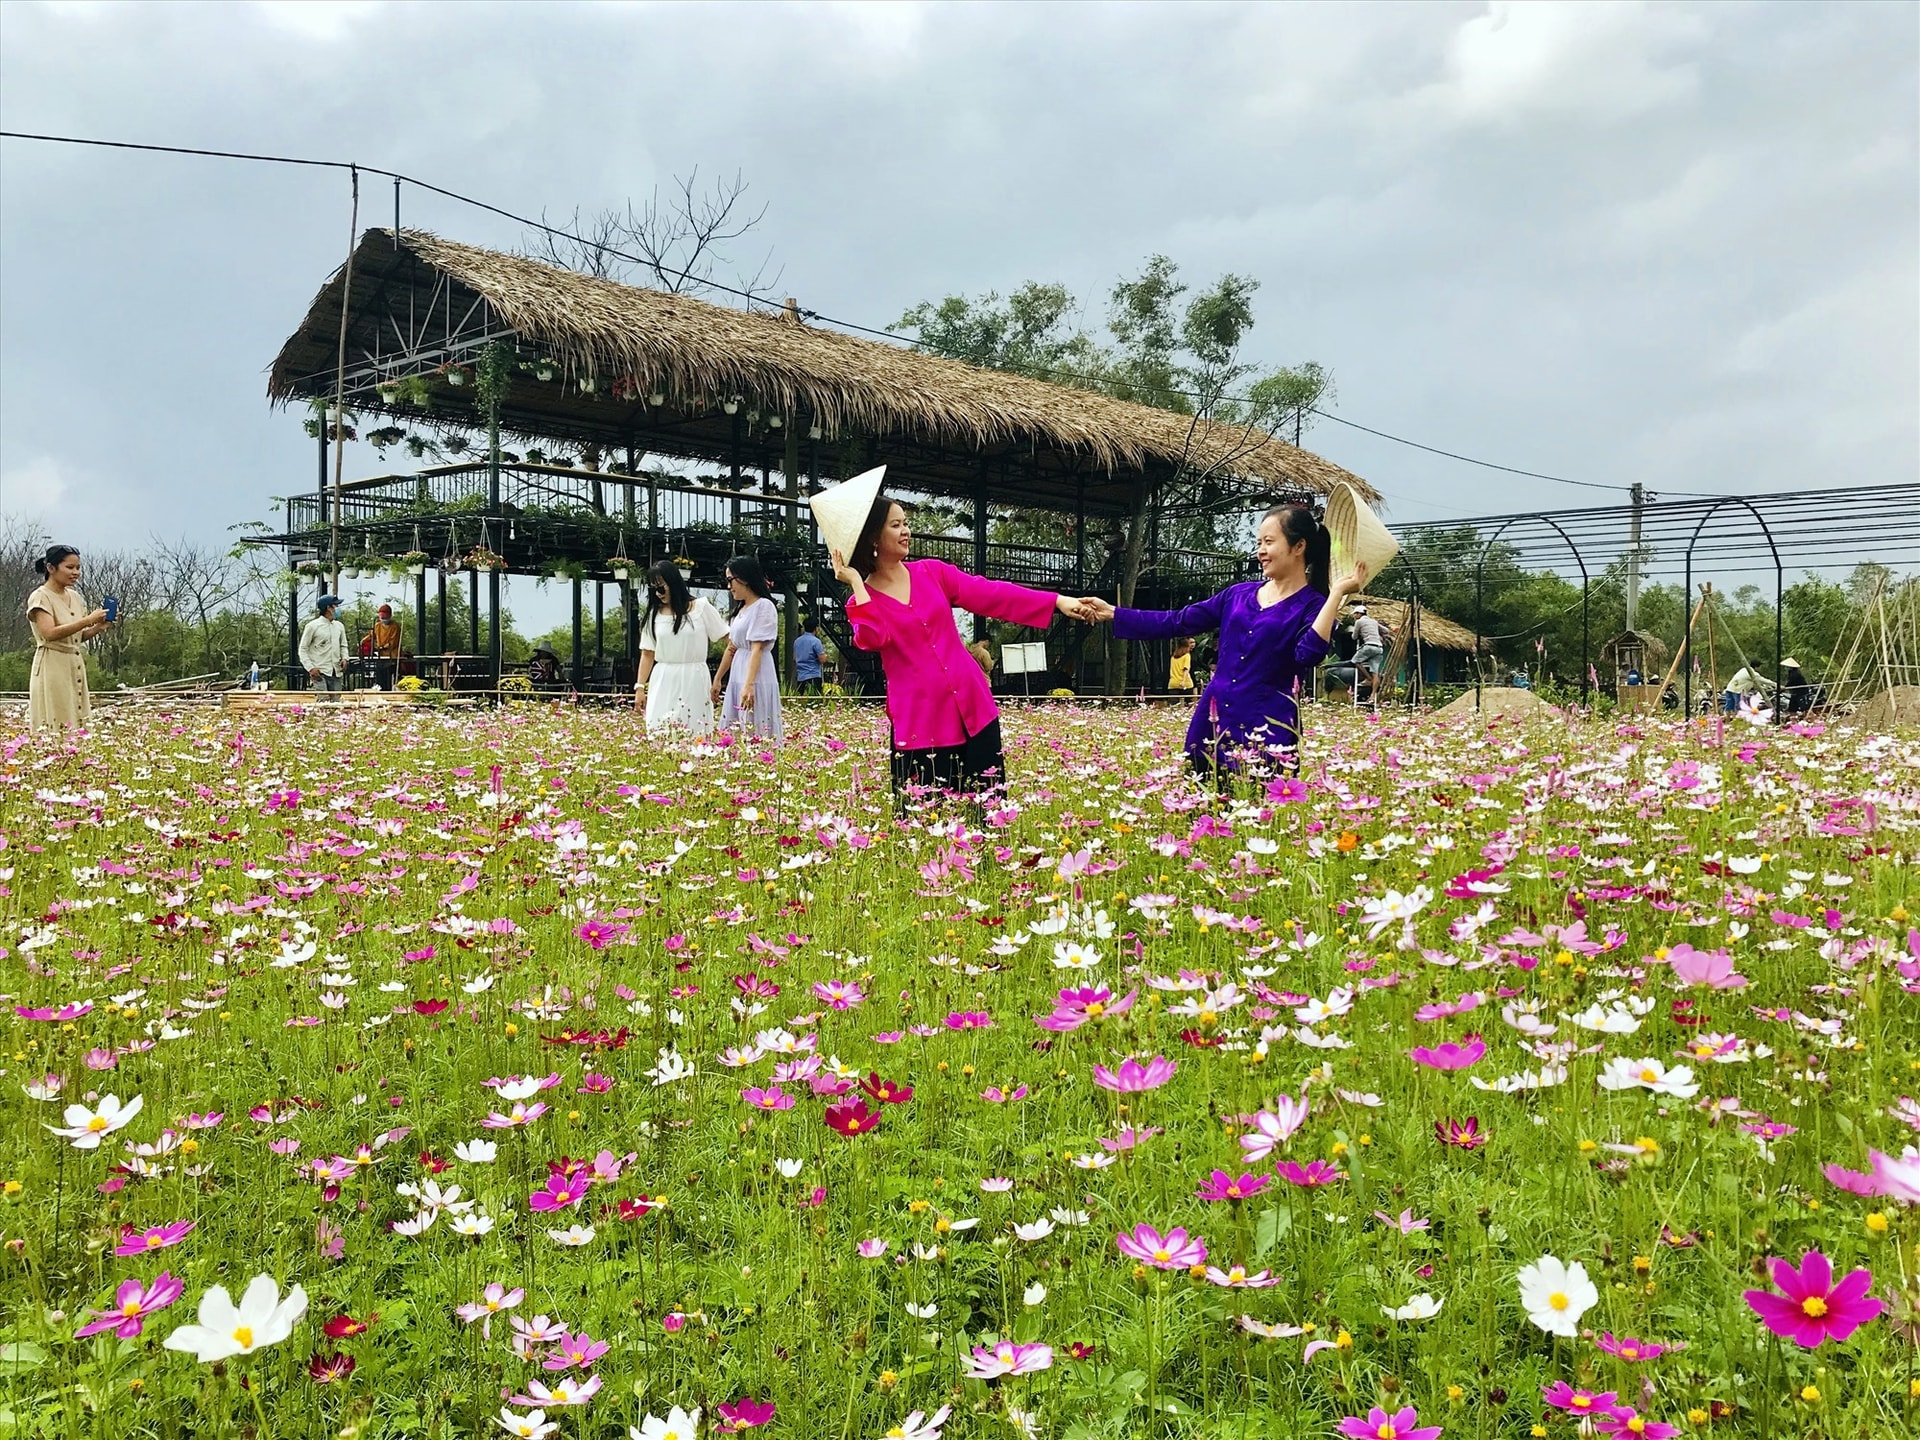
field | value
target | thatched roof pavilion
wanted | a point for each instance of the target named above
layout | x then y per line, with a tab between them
669	374
1436	631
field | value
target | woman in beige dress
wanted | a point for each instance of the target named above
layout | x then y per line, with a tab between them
57	695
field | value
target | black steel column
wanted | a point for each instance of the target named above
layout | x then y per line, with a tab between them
599	622
980	539
577	685
419	619
473	612
440	626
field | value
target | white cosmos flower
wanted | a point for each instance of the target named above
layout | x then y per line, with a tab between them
1418	1307
1060	1215
1036	1230
87	1128
477	1152
1555	1295
479	984
1649	1074
1034	1294
1072	955
789	1168
679	1425
1093	1162
533	1425
475	1224
573	1235
262	1318
670	1067
1608	1019
417	1224
922	1312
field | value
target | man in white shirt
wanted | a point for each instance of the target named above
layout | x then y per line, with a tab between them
323	647
1369	650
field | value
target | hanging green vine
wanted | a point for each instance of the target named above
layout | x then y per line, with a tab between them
492	376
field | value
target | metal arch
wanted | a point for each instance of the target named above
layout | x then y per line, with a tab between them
1479	598
1779	596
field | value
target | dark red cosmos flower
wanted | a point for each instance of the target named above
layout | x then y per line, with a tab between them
1202	1039
325	1369
601	1039
1465	1135
1079	1350
345	1327
885	1091
429	1007
432	1163
567	1168
852	1117
635	1209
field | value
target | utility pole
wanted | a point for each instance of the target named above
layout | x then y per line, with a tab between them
1633	559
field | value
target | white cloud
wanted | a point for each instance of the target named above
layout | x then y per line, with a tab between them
1602	61
35	488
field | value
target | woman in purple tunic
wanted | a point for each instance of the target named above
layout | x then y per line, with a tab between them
1273	632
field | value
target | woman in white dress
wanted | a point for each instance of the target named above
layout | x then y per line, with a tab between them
675	635
752	687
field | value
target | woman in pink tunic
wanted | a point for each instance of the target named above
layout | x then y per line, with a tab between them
946	728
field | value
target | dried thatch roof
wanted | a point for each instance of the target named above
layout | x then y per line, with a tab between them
1436	631
930	410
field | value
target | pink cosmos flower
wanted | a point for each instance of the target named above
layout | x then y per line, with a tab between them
1898	1179
521	1114
969	1020
1629	1424
1129	1138
1172	1251
994	1095
1133	1077
1223	1186
1314	1172
495	1298
1708	969
1563	1396
1629	1349
571	1350
1405	1223
594	1084
745	1413
155	1237
1078	1005
1404	1424
1236	1277
133	1302
1854	1182
1463	1135
771	1097
1812	1309
72	1011
600	933
1273	1128
871	1249
204	1122
839	994
1007	1358
560	1192
1449	1055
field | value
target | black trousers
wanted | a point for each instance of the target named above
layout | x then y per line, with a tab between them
960	769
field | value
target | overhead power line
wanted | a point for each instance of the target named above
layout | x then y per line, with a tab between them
749	297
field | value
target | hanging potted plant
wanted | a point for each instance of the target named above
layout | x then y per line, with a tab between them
481	558
587	384
684	564
415	562
388	391
544	369
457	374
310	570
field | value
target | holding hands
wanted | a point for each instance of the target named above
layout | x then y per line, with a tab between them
1087	608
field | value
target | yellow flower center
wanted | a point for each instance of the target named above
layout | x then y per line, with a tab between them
1386	1431
1558	1301
243	1336
155	1241
98	1123
1097	1009
1581	1402
1629	1352
1649	1074
1637	1425
1814	1306
131	1308
1163	1256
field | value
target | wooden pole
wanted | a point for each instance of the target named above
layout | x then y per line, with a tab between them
1686	644
340	378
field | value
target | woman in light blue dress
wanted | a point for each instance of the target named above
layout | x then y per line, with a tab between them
748	675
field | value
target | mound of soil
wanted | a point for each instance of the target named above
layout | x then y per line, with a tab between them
1899	707
1497	702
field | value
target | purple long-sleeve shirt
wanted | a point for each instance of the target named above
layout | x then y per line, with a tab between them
1265	652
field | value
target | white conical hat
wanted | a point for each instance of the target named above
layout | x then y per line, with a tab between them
1358	536
841	510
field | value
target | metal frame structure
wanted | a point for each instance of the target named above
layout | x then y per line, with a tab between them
1810	530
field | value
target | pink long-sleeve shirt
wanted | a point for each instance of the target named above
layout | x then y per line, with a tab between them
936	693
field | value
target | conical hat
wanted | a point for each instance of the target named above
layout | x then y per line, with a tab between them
841	510
1358	536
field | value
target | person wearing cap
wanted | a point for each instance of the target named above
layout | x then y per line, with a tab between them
1369	652
946	727
1796	691
323	647
382	645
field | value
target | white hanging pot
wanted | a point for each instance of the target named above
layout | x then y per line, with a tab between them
419	569
620	573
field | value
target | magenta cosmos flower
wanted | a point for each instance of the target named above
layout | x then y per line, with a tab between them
155	1237
1627	1348
1626	1423
1563	1396
133	1302
560	1191
1812	1309
1223	1186
745	1413
1379	1425
1314	1172
1133	1077
1078	1005
1450	1056
1172	1251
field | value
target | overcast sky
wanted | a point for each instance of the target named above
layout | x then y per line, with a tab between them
1676	244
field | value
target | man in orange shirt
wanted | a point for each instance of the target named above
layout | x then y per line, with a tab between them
382	644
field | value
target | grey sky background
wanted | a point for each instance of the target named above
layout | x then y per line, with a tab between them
1675	244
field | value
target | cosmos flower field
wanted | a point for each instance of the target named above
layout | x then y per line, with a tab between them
431	1074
